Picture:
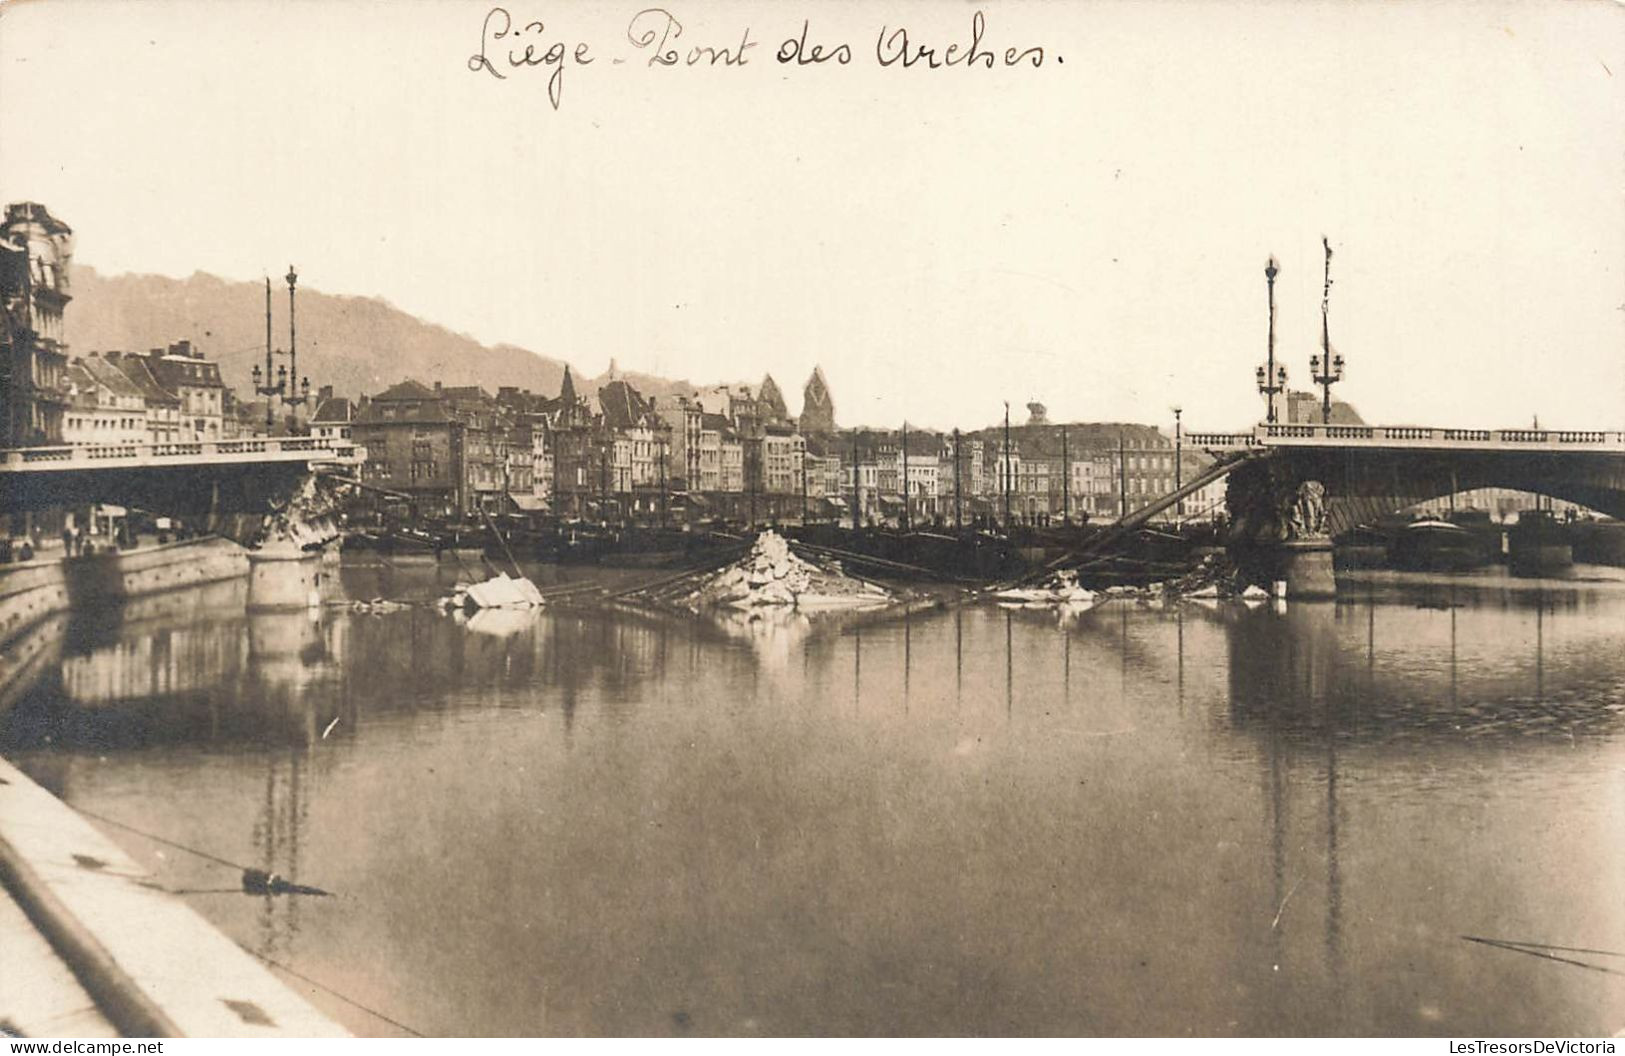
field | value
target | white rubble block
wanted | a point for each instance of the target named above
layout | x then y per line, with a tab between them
503	592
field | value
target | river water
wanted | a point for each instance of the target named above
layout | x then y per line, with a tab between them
1205	818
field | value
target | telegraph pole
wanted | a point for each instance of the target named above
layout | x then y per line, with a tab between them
854	480
1179	510
1004	470
1122	476
1066	482
959	515
907	518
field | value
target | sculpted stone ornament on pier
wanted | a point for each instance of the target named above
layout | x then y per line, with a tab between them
1278	532
285	568
1307	517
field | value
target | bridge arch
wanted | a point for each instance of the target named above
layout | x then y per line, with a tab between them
1362	484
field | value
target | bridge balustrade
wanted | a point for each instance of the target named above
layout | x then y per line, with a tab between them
245	451
1220	439
41	454
1272	434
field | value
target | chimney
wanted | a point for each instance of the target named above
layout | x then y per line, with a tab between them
324	394
437	387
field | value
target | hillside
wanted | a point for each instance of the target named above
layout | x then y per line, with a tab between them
356	344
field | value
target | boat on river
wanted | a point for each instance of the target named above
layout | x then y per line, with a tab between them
1436	546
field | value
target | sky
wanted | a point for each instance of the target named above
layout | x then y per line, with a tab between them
1090	233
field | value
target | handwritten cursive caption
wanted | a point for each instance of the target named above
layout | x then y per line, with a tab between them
656	36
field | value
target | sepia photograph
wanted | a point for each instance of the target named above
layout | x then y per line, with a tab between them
795	519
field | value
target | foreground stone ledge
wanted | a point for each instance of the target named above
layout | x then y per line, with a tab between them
152	964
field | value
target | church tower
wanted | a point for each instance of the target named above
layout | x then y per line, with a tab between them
817	406
771	400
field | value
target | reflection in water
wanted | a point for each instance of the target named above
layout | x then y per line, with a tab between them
1210	818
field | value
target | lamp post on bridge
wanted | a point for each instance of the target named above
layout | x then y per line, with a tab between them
267	388
298	392
288	386
1271	378
1326	367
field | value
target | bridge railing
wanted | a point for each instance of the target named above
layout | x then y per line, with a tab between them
1221	440
1278	434
247	449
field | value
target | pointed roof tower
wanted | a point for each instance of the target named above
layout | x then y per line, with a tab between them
817	406
772	400
567	391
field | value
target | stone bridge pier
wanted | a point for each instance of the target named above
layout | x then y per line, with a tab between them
1287	505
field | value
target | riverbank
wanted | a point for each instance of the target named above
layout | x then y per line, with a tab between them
33	590
107	951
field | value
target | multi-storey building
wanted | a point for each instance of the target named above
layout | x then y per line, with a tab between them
731	461
636	441
821	466
183	371
333	417
782	453
683	420
161	408
36	250
446	448
713	427
104	406
578	483
484	455
922	476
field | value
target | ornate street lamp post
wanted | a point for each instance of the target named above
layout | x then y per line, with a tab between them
298	393
265	387
1271	378
1327	367
288	386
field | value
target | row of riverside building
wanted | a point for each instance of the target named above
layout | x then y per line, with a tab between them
731	452
734	452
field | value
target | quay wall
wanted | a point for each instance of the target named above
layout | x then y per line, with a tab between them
151	964
34	590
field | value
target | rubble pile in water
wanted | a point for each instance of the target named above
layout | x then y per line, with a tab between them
771	575
1062	588
499	592
1215	578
